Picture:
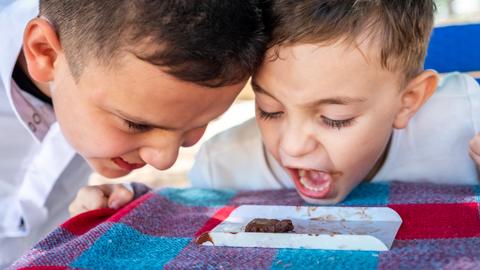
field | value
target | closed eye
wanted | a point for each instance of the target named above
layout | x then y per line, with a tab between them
338	124
137	127
269	115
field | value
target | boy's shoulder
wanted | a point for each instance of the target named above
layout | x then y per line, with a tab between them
456	102
434	145
456	84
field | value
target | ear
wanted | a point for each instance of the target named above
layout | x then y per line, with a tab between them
415	94
41	47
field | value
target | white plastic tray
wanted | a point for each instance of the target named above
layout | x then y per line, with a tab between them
334	228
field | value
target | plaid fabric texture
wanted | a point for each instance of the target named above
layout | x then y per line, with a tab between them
440	230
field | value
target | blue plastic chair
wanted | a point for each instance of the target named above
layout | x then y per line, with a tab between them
455	48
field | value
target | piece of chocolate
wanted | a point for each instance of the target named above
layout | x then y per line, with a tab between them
269	225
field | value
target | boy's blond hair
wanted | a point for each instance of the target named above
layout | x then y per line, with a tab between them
402	28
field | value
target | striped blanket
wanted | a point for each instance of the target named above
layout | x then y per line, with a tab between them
440	230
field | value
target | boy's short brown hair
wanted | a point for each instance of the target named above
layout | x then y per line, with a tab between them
402	28
209	42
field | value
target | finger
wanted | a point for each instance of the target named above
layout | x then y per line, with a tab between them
91	197
475	145
74	209
475	157
107	189
75	206
120	196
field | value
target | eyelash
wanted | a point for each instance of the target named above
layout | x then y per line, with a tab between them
269	116
137	127
338	124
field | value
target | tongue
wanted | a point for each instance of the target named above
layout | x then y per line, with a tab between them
316	178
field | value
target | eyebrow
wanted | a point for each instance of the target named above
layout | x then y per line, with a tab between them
141	122
326	101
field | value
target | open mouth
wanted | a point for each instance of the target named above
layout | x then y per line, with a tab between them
124	165
312	183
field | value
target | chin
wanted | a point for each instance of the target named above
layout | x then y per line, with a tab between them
320	201
109	172
330	200
114	174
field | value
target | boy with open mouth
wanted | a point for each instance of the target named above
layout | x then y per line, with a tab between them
341	98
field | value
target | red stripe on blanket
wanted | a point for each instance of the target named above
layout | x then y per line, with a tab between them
219	216
426	221
129	207
82	223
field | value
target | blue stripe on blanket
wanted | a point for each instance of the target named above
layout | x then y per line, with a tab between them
324	259
368	195
197	196
477	193
123	247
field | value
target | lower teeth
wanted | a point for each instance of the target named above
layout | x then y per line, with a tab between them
308	186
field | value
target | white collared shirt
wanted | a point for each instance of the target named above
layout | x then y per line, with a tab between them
40	172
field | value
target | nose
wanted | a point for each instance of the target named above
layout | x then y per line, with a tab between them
193	136
297	140
161	159
161	151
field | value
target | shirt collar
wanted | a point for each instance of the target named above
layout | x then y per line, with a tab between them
14	16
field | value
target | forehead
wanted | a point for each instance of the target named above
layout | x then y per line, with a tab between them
146	91
302	71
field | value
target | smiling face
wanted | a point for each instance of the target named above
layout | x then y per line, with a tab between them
325	121
122	118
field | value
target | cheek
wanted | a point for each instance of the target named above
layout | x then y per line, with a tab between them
193	136
71	117
91	132
94	135
356	150
107	142
269	130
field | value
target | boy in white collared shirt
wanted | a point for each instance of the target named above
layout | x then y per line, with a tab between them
110	83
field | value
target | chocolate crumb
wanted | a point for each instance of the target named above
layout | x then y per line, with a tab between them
269	225
204	237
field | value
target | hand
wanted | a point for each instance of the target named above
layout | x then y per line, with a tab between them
474	150
102	196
